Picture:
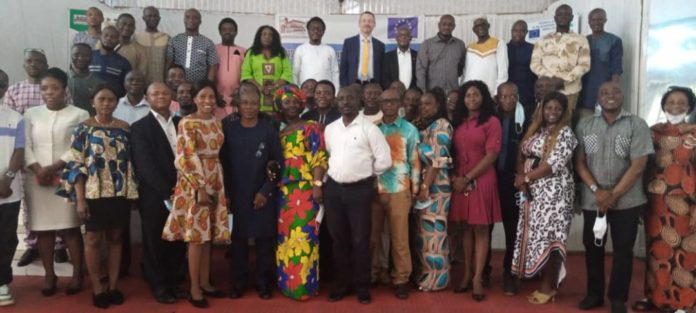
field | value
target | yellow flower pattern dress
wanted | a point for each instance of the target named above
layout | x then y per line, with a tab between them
198	165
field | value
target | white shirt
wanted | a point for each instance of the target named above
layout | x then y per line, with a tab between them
168	128
317	62
487	62
356	151
130	113
405	66
11	137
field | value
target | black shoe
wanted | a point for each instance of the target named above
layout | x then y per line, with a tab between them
60	256
463	288
101	300
338	294
213	293
180	294
51	290
201	303
618	307
164	296
236	293
364	296
74	289
478	297
264	292
402	291
509	285
115	297
590	302
29	256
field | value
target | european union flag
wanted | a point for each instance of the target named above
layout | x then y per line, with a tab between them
534	33
394	23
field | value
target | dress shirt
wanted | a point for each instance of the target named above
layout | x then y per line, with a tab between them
131	113
562	55
316	62
404	175
370	58
168	128
404	58
440	63
356	151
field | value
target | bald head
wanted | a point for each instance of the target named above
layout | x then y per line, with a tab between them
159	96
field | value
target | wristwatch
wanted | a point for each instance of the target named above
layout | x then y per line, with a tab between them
526	179
594	187
317	183
10	174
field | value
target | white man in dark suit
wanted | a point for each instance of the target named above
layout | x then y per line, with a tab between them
361	58
400	63
154	150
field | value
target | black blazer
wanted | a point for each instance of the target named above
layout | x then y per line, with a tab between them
153	158
390	68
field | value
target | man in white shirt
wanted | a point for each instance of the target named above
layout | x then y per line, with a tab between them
400	63
486	58
358	152
154	149
11	158
313	59
134	105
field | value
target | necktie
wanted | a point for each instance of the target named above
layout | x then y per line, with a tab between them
365	59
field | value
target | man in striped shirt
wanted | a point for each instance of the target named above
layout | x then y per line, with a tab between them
108	65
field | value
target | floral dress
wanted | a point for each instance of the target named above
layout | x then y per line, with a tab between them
431	239
297	256
198	165
544	221
671	275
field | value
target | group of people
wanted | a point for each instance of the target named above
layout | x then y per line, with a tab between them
398	163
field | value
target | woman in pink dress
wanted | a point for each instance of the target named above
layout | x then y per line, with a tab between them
475	201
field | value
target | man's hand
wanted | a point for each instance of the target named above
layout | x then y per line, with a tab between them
259	201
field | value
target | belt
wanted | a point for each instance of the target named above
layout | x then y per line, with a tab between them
365	181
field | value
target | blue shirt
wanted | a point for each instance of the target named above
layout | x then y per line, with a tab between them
111	68
519	58
606	54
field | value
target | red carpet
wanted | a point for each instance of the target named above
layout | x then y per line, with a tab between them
138	298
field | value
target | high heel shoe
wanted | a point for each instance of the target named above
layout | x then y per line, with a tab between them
213	293
478	297
49	291
541	298
463	287
201	304
101	300
71	290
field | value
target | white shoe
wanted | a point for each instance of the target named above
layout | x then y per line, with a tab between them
5	295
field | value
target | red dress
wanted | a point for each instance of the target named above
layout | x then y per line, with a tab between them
471	142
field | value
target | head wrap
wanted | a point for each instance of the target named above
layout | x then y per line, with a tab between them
285	92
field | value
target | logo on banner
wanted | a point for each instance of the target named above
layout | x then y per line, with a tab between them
394	23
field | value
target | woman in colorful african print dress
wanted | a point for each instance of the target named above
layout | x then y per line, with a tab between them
99	178
199	213
436	137
671	217
544	174
297	255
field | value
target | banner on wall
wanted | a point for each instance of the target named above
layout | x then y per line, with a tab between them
293	30
540	28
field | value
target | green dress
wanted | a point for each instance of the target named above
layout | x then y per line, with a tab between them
266	71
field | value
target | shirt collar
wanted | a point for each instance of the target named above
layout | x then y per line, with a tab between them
622	114
407	52
397	122
363	37
160	117
440	39
143	102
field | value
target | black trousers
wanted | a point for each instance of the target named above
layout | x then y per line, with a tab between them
9	213
162	259
265	261
511	216
623	225
349	216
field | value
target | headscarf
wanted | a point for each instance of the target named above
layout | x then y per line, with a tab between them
286	91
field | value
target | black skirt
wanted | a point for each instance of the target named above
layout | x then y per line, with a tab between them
108	214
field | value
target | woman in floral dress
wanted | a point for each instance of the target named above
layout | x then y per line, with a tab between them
199	213
436	137
297	255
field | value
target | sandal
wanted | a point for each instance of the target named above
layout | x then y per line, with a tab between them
541	298
643	305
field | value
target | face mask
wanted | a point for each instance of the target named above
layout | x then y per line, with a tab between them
675	119
599	229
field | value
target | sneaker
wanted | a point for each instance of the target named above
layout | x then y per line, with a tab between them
5	296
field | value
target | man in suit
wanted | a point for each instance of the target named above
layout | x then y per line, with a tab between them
400	64
361	58
154	150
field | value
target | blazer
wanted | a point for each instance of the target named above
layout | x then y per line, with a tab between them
390	68
350	60
153	158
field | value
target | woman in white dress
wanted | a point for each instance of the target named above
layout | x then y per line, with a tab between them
48	130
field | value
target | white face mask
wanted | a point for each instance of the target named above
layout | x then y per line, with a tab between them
599	229
675	119
402	112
